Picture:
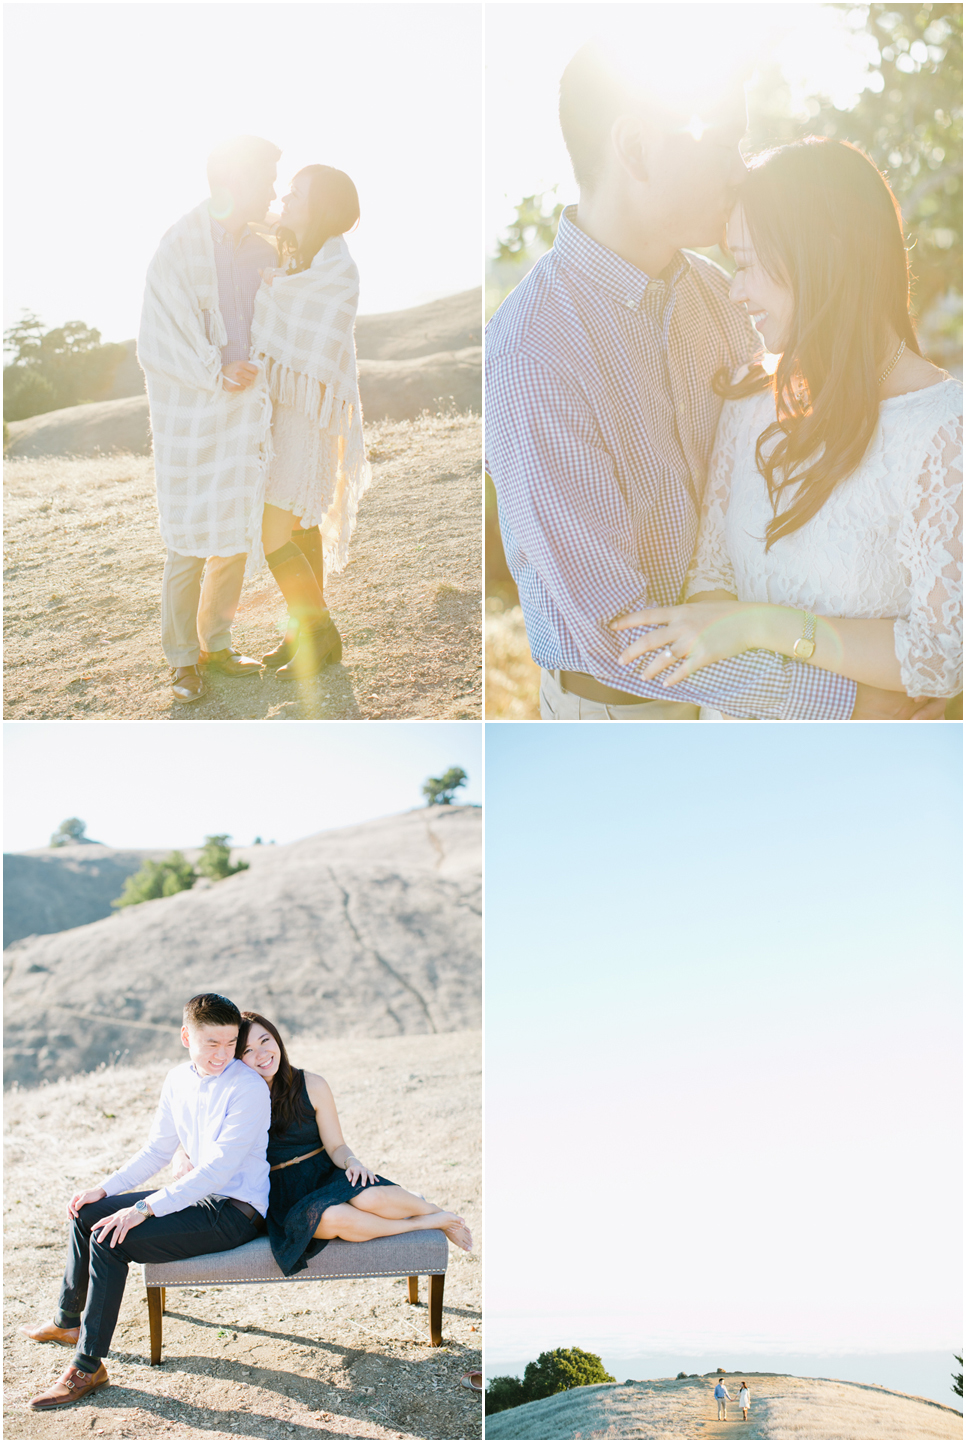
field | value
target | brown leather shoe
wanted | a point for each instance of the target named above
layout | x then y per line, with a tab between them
51	1333
229	663
187	683
71	1388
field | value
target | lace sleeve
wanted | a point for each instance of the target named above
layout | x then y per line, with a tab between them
929	641
711	568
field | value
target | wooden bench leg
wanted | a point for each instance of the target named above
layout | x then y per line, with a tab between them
163	1301
155	1315
414	1290
436	1282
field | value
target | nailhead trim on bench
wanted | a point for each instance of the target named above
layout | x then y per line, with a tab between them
298	1278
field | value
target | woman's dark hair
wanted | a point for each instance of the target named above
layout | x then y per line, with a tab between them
825	224
288	1106
333	209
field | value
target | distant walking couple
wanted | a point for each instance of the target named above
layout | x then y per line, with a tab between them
644	457
247	343
723	1398
246	1152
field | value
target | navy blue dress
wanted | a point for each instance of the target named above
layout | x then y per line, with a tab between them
300	1194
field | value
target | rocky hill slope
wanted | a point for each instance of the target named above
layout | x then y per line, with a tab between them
408	361
368	931
781	1407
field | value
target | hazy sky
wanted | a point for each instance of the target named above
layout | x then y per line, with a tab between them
722	1023
525	57
163	784
111	110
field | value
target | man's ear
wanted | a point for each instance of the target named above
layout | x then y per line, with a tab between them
184	1037
629	138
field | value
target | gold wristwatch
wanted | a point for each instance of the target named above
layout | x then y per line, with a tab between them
805	645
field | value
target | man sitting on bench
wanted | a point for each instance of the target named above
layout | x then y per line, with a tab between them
219	1111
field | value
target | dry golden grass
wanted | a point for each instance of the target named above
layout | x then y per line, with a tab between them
83	566
512	679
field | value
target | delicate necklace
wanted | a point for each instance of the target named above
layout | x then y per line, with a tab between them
893	363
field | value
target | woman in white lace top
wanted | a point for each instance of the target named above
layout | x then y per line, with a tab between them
833	510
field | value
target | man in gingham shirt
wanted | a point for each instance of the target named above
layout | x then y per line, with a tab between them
600	413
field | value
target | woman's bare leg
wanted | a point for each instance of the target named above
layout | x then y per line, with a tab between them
355	1226
277	527
392	1202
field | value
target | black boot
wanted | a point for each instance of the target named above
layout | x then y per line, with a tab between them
319	643
309	542
286	648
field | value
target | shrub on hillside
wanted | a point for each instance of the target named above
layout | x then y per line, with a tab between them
215	859
553	1372
158	879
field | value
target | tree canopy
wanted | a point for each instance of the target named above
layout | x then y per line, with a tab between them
440	791
67	366
71	830
553	1372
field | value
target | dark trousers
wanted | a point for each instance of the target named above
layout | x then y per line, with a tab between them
96	1273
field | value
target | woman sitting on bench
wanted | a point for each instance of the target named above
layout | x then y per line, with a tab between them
319	1189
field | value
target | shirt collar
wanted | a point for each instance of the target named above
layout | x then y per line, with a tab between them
223	236
608	271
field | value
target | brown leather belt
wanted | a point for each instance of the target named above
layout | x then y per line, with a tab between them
580	684
252	1214
293	1160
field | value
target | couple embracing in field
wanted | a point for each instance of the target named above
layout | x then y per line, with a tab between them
257	1145
644	457
247	343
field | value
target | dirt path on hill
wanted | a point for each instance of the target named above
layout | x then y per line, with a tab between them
83	571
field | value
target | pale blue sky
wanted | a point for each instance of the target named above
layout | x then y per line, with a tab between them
722	1021
165	784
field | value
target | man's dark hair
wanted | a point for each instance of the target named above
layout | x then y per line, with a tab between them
210	1010
592	96
242	152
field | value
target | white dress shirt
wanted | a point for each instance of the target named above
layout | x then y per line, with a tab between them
222	1123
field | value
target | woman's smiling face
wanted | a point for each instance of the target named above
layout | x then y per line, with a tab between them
262	1053
766	301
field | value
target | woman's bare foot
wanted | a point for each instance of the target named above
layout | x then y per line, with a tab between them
458	1232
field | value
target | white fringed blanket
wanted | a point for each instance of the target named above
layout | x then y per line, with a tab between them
211	449
302	334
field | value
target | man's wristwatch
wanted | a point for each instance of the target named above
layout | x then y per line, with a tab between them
142	1207
805	645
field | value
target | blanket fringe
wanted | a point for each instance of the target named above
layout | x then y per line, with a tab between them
339	424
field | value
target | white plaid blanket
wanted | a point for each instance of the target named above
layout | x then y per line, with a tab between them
302	334
211	448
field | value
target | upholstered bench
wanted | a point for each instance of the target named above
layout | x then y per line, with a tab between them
407	1255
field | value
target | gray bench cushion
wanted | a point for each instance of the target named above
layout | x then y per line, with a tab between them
407	1255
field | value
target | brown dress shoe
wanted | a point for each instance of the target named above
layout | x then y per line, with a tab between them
51	1333
71	1388
187	683
229	663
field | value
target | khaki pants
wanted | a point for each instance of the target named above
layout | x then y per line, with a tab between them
722	1408
559	705
196	614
